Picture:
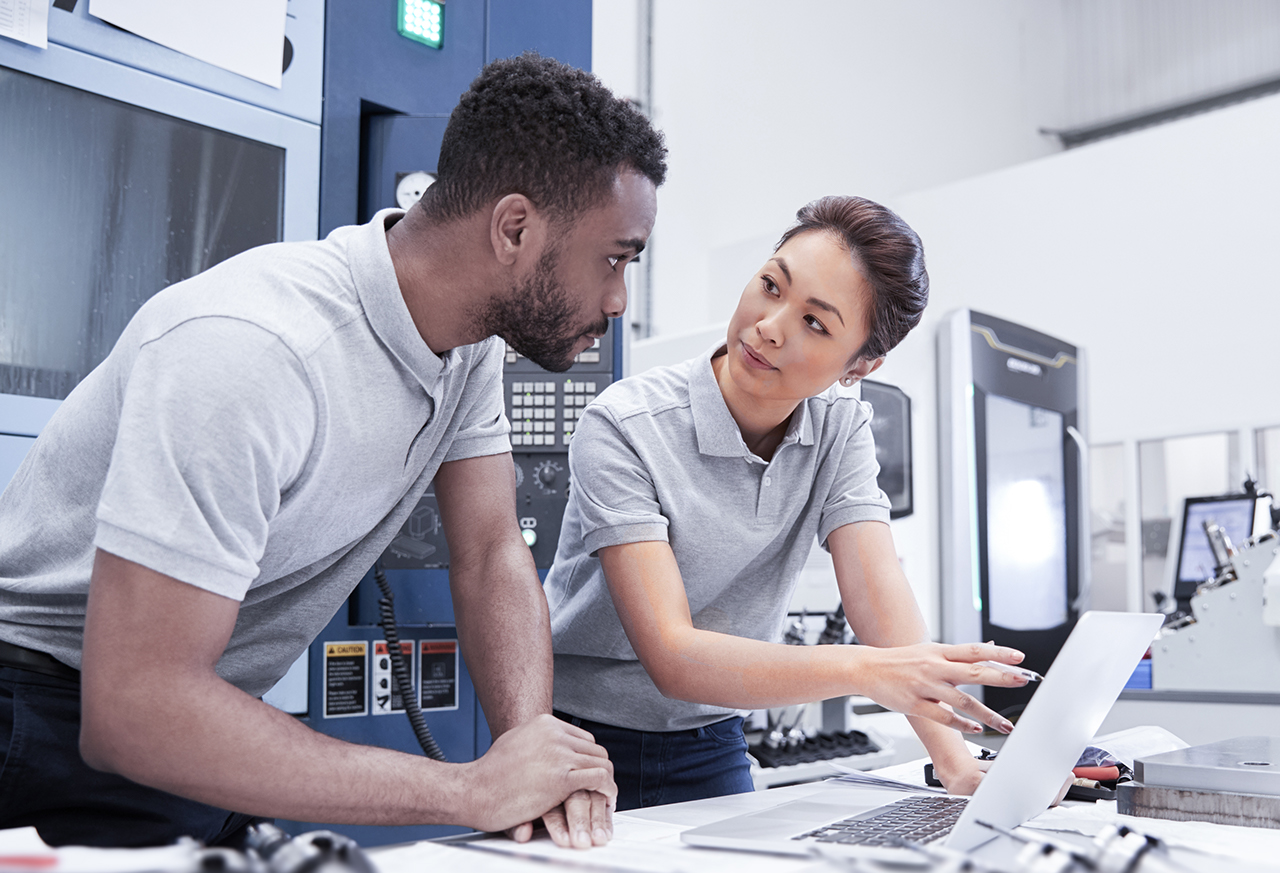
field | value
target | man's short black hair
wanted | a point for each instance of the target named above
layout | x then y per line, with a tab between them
534	126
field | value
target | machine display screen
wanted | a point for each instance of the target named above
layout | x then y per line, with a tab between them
1195	559
1026	516
113	203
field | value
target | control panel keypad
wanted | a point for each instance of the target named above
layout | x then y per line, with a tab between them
545	413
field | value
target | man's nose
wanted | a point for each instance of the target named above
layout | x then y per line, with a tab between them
615	298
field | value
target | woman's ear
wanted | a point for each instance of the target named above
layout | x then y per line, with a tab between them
860	369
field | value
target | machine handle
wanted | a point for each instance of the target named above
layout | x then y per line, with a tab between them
1085	564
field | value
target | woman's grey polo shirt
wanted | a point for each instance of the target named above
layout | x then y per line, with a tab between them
659	457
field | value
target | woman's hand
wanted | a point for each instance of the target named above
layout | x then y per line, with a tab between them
961	776
921	680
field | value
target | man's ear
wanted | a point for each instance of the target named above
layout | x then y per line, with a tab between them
509	228
861	369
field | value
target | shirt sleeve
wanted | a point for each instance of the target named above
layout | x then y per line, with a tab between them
484	429
217	419
612	485
854	495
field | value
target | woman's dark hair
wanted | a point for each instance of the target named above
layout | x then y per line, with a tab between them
534	126
889	254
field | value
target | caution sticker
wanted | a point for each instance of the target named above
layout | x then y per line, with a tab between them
345	672
438	674
386	691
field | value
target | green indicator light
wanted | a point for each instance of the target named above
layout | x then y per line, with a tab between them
530	537
422	21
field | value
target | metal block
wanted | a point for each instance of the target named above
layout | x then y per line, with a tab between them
1185	804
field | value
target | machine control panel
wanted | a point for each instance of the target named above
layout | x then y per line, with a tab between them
544	407
544	412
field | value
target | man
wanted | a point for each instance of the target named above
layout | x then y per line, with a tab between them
205	500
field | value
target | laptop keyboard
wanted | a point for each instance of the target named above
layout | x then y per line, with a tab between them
914	820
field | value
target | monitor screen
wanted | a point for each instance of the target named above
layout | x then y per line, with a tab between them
891	430
1233	513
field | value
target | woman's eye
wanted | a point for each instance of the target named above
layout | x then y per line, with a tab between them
769	286
815	324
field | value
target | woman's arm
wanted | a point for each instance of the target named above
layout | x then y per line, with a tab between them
701	666
882	611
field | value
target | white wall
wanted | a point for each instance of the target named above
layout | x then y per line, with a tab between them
767	106
1156	252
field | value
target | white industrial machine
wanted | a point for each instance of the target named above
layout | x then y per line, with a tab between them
1230	640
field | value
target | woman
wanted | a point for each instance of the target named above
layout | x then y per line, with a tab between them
697	491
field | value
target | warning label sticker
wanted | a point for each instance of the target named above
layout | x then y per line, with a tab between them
345	672
386	691
438	674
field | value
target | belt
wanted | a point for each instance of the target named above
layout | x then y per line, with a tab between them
35	662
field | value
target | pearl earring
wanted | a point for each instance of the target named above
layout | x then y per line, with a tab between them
847	381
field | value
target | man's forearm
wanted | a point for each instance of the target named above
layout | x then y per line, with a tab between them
505	633
210	742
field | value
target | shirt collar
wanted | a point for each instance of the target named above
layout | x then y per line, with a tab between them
374	276
717	432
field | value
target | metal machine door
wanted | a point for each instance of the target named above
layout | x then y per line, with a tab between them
1013	483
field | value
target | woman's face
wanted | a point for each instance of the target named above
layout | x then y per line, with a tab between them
800	321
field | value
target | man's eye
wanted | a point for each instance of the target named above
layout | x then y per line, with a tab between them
613	262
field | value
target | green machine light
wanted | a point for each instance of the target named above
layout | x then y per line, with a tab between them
422	21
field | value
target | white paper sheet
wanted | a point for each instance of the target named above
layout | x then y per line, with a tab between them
1138	742
26	21
420	857
243	36
21	849
641	846
1253	845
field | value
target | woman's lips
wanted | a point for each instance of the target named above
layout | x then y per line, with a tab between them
754	359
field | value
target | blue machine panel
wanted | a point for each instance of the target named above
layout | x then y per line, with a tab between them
553	29
387	101
371	70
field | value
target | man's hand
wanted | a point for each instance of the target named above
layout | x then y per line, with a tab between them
534	768
921	680
584	820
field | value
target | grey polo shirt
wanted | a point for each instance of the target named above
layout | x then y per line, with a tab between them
659	457
260	431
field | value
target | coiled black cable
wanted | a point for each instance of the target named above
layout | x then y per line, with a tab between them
399	669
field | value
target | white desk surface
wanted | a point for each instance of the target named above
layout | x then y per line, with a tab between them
648	841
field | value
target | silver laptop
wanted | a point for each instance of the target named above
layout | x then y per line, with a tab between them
1065	713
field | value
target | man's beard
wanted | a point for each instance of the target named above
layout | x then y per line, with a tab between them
536	318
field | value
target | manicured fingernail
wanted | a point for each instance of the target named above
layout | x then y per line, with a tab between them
602	836
974	728
582	838
1005	726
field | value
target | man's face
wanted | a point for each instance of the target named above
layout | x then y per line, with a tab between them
565	302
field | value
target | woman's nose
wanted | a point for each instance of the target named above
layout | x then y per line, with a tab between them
770	328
